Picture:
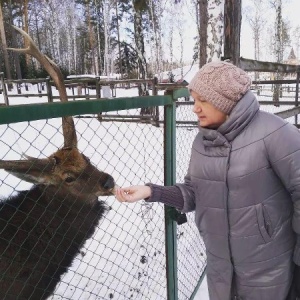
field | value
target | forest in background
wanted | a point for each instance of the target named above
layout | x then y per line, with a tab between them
92	36
134	38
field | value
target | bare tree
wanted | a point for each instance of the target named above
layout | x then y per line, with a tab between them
26	29
118	39
257	22
170	25
155	13
278	31
232	32
296	35
215	29
278	49
203	10
139	8
15	56
4	45
211	31
91	38
108	52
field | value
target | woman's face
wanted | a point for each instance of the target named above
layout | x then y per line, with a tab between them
208	115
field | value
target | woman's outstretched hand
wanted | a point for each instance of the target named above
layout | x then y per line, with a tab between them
133	193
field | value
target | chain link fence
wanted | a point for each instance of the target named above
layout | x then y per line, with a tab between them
125	258
191	249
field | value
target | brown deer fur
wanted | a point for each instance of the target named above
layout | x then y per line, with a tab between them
43	229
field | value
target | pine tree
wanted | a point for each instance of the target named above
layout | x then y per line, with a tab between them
128	61
140	7
122	11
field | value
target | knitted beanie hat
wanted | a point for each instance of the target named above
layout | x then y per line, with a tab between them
222	84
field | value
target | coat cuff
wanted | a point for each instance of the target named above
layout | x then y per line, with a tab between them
169	195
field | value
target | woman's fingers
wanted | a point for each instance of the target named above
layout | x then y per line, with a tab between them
132	193
123	195
120	195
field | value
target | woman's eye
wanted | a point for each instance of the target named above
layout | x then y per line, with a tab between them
69	179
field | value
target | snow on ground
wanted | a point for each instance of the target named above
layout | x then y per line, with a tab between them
202	293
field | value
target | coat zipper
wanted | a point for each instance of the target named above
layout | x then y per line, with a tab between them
228	224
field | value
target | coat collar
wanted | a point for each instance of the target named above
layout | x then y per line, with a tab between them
239	118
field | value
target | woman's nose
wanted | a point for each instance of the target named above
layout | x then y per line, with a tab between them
196	108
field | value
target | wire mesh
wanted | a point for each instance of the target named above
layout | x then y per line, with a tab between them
125	257
190	246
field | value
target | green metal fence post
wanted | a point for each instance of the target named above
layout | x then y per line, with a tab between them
169	179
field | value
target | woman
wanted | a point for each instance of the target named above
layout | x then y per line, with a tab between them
243	183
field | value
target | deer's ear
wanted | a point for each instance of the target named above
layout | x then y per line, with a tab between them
30	177
34	170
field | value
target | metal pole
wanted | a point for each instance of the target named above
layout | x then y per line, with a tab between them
296	95
169	179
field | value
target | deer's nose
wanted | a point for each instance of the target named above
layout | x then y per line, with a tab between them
110	183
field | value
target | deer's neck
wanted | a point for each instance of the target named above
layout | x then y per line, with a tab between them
63	203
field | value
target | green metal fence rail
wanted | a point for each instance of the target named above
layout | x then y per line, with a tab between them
31	112
180	254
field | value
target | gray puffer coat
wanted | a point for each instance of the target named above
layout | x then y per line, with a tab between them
244	184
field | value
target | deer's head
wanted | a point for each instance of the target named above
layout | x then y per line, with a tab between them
67	168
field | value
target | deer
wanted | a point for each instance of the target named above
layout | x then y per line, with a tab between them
42	229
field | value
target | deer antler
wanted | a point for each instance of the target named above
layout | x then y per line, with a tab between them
42	165
69	132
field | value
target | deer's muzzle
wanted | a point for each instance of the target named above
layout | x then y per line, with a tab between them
109	184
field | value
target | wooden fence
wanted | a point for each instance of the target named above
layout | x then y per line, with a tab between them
81	88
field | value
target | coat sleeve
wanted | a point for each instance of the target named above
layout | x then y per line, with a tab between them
181	196
187	193
283	148
169	195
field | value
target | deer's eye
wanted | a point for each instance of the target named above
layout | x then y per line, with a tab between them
69	179
57	160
